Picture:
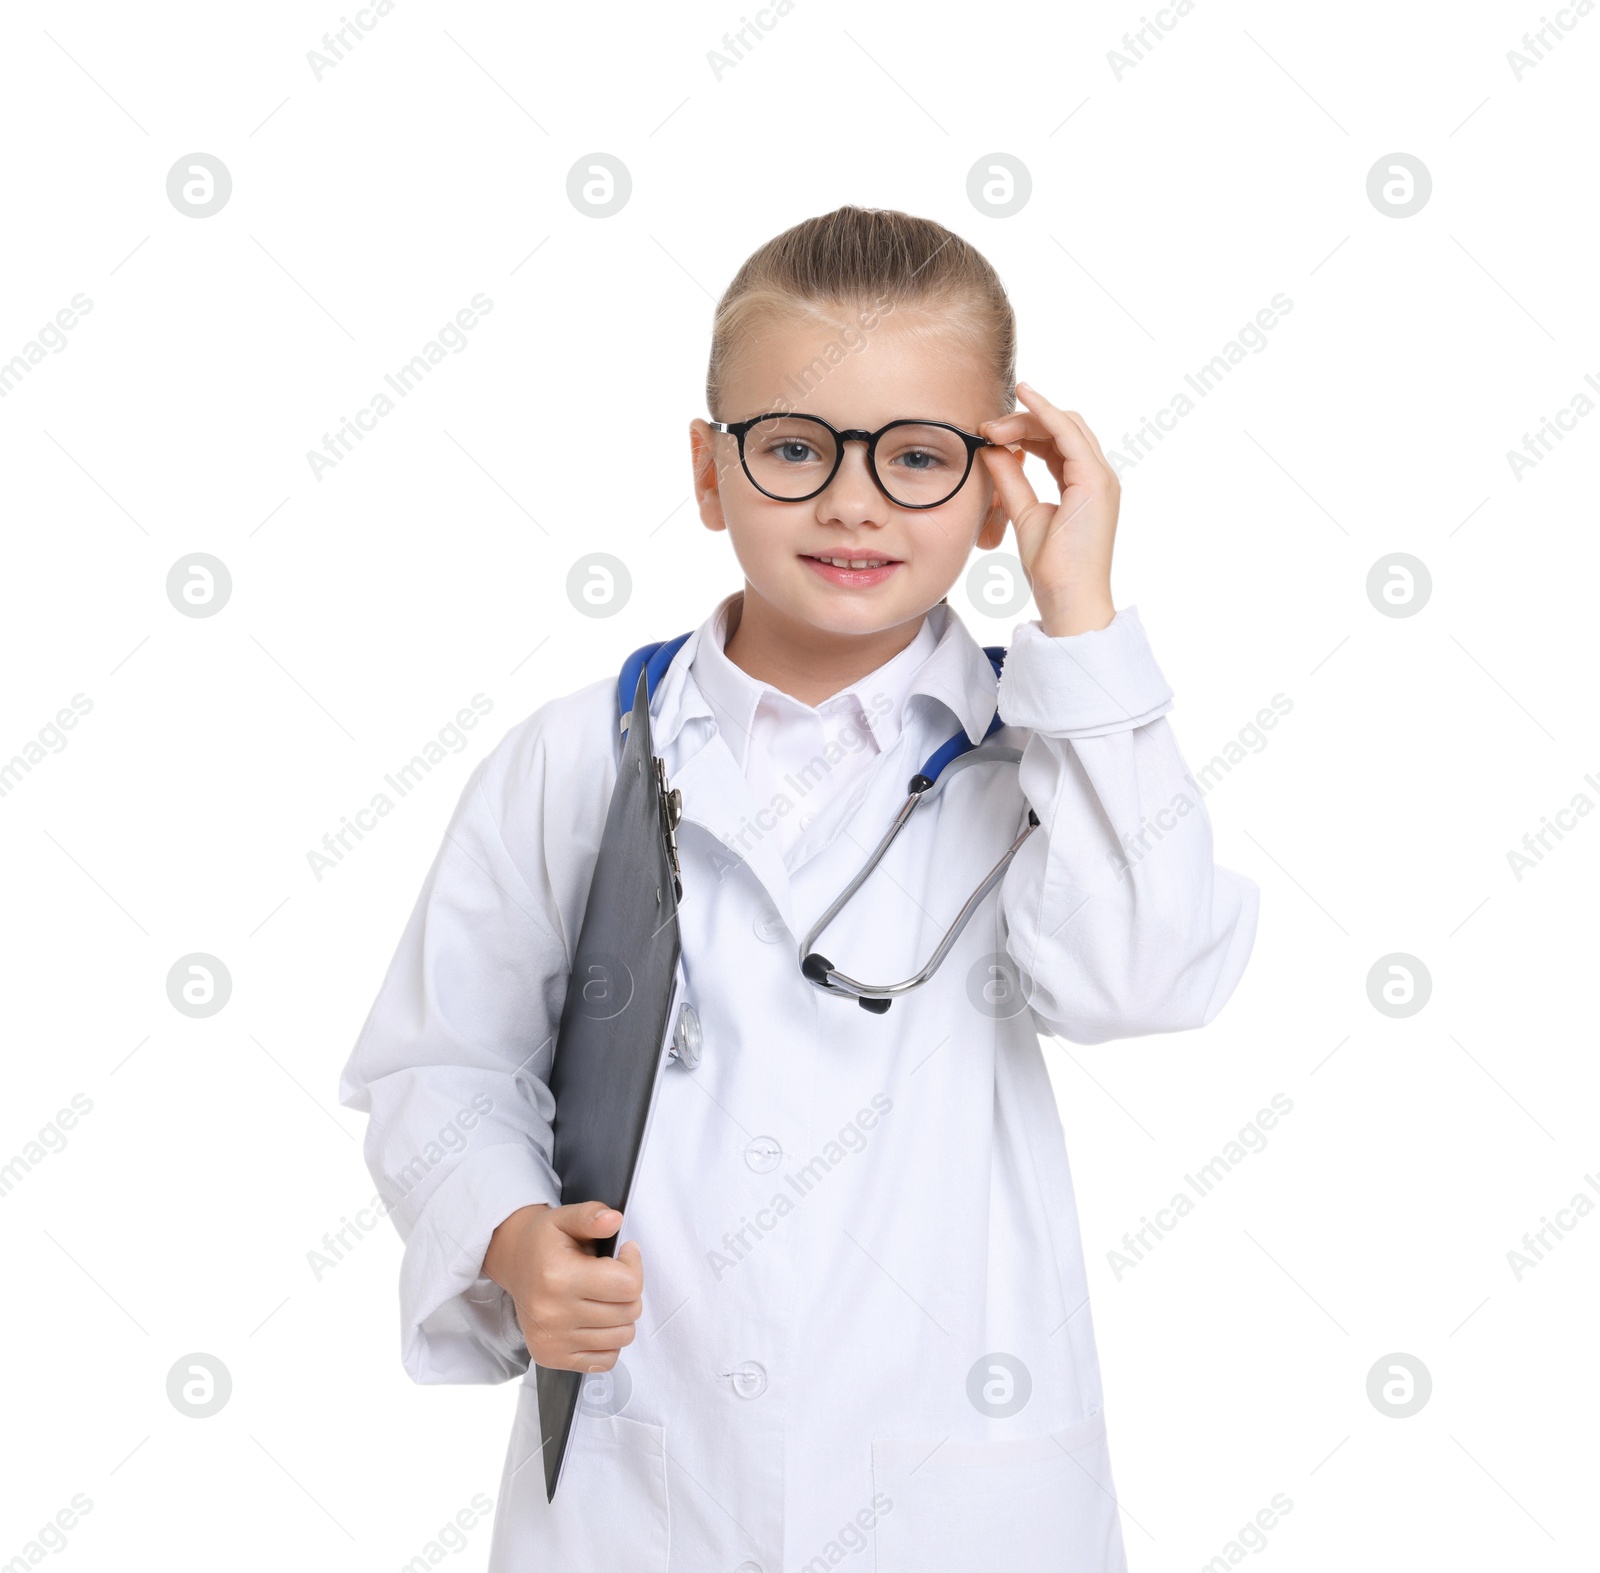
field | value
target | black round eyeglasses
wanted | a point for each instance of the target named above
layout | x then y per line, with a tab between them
915	463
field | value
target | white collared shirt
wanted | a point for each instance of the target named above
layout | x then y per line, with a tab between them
799	758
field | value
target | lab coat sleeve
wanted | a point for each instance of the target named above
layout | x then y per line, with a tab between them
450	1065
1117	917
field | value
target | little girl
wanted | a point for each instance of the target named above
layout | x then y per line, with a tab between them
848	1324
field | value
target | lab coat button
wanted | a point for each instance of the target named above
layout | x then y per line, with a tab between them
749	1379
770	927
805	821
763	1154
749	1567
686	1037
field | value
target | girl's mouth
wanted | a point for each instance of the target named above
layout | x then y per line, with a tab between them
852	572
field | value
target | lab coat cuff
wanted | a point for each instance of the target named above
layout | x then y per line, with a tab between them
457	1324
1082	685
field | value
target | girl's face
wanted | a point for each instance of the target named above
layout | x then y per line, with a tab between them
889	375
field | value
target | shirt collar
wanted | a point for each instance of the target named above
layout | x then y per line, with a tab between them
955	672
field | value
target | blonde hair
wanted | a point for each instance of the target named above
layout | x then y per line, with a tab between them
880	261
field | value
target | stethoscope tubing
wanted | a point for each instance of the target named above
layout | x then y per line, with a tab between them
821	972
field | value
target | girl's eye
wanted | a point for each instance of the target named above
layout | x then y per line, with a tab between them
788	450
921	460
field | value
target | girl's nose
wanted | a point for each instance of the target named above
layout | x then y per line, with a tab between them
853	489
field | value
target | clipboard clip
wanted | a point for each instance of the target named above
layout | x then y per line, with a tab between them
671	814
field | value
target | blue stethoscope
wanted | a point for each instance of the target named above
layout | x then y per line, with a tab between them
956	754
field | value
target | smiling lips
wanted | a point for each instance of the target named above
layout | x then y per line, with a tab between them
852	572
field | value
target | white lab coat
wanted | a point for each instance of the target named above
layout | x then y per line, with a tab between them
866	1339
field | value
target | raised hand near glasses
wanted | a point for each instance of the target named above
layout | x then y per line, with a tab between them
1065	546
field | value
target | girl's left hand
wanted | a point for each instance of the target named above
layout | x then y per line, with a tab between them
1065	546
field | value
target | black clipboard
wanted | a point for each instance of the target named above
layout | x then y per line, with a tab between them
612	1041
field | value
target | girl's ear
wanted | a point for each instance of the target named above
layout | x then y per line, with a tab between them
707	483
993	529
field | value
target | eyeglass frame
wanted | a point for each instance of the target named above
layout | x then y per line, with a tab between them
855	434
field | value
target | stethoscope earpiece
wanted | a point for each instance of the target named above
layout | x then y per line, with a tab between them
817	968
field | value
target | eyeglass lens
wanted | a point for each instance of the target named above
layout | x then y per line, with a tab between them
791	456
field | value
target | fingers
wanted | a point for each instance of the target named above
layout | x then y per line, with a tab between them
577	1309
588	1361
1083	426
587	1220
1041	418
1015	491
603	1340
607	1280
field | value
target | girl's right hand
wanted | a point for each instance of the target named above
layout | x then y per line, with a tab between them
576	1310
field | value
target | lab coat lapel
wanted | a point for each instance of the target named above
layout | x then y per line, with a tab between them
716	793
717	798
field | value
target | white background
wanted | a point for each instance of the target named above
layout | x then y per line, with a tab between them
369	606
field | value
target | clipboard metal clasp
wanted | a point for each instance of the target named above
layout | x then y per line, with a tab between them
671	815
